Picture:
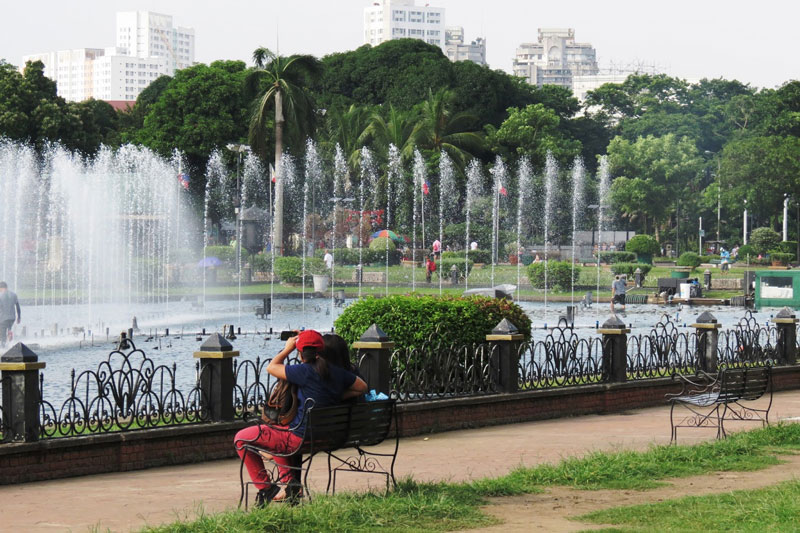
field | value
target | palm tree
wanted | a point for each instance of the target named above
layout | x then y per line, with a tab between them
397	129
348	129
285	78
441	129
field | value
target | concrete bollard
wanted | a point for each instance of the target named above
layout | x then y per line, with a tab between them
707	330
19	370
506	340
615	349
786	322
374	350
216	377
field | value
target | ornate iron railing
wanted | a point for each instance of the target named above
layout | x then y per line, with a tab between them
436	370
748	343
127	392
561	359
662	352
253	385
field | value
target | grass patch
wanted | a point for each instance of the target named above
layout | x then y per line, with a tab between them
448	506
770	509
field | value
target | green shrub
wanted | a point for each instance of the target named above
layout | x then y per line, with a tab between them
261	262
710	258
643	244
380	243
744	251
476	256
559	275
764	239
610	258
289	269
446	263
788	247
412	319
223	253
630	268
780	257
349	256
689	259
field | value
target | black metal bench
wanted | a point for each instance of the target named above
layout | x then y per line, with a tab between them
329	430
711	400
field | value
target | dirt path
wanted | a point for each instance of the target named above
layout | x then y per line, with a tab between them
551	511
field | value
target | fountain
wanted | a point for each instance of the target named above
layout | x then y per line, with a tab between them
550	175
447	189
474	189
578	176
313	175
393	175
500	175
420	184
524	187
602	197
339	178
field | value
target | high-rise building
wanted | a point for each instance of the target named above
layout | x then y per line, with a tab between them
555	58
148	46
457	50
385	20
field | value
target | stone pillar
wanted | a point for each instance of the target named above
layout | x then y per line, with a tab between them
216	377
638	278
786	322
454	275
506	339
374	350
707	330
20	374
707	279
615	350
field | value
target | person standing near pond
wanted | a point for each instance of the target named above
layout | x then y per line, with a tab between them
618	289
9	311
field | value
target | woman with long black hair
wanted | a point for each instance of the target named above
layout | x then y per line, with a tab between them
316	379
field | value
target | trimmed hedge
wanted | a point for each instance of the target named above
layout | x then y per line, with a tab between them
289	269
261	262
411	320
781	257
787	247
764	240
445	264
349	256
226	254
689	259
610	258
559	275
643	244
380	243
744	251
630	268
476	256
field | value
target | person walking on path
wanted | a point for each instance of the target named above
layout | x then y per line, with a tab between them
9	311
618	289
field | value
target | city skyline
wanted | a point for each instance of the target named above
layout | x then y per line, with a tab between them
690	40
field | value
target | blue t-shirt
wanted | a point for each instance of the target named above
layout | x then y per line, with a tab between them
311	385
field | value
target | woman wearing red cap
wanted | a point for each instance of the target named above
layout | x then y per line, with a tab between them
315	379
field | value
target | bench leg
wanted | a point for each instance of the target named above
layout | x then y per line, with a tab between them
721	434
673	430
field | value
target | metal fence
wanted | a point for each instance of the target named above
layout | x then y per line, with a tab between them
253	386
748	343
127	391
662	352
561	359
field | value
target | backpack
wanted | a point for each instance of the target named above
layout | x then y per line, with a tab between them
282	404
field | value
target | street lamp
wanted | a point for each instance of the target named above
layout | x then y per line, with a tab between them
785	216
239	149
744	223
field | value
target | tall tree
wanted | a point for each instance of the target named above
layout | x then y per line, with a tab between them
441	129
286	79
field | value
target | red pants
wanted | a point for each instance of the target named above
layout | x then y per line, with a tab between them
273	440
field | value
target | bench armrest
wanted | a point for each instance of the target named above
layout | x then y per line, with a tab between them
700	383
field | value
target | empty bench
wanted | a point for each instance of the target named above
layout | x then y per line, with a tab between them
331	430
711	400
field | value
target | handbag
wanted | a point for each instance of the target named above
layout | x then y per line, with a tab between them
282	405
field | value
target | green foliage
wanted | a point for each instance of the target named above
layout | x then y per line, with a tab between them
746	250
261	262
412	320
381	243
289	269
643	244
630	268
710	258
226	254
781	257
476	256
446	263
559	275
787	247
689	259
349	256
617	257
764	239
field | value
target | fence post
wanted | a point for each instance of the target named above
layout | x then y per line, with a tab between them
506	338
216	377
20	374
615	349
786	322
374	350
707	330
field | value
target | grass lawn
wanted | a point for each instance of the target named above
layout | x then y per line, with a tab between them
448	506
774	508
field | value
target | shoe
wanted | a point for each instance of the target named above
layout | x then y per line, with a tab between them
291	494
266	495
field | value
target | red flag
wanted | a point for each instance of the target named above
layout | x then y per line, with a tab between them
183	179
503	191
426	187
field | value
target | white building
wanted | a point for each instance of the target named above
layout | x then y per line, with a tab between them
148	46
385	20
457	50
583	84
555	58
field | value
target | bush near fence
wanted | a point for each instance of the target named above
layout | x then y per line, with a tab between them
630	268
412	320
350	257
560	275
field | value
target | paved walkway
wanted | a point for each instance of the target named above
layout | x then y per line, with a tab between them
127	501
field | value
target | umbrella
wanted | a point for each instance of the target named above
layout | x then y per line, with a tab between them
210	261
388	233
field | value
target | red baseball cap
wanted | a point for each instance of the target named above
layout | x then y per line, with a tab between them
309	339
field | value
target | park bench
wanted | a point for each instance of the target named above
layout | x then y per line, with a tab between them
329	430
711	400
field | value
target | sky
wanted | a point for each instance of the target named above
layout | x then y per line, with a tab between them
754	42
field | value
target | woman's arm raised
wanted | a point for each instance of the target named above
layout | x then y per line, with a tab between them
276	367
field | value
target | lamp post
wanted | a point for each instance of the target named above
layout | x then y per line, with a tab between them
744	223
239	149
785	216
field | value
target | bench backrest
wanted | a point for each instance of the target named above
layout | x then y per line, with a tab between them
348	425
744	383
